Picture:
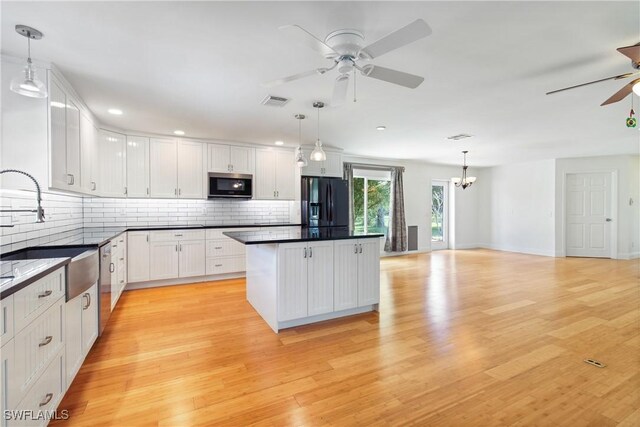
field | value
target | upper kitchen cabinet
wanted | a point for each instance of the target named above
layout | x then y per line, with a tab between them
137	166
230	158
330	167
275	175
176	169
64	143
88	156
113	156
190	173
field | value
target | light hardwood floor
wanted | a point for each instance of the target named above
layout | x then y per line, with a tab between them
464	338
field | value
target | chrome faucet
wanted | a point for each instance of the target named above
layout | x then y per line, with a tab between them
39	211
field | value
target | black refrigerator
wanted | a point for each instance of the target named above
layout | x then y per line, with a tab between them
325	202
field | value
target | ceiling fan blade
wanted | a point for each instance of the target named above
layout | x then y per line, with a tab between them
303	36
622	93
298	76
340	90
618	77
392	76
631	52
405	35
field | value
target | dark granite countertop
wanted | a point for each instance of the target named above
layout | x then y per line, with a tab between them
297	234
16	275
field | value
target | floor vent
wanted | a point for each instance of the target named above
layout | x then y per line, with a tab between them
274	101
595	363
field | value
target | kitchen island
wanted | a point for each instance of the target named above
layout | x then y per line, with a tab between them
299	275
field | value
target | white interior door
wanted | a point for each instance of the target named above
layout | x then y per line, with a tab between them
588	208
439	215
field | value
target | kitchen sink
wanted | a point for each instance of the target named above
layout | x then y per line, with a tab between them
82	272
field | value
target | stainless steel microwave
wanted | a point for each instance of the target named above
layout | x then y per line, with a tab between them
230	185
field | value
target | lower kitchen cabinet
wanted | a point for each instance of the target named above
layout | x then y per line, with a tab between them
81	328
176	254
305	282
138	256
191	258
164	260
357	273
119	260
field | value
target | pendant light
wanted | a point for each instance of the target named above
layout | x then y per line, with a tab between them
464	181
318	154
28	84
300	160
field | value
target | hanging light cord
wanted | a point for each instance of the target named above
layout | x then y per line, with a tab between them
318	139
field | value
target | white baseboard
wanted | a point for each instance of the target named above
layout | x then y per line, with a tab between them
182	281
628	255
521	250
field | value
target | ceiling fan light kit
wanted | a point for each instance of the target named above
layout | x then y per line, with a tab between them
345	48
318	154
464	181
28	84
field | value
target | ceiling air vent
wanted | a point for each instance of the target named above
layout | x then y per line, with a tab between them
274	101
459	136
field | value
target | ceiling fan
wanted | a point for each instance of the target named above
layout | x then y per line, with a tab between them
633	53
345	49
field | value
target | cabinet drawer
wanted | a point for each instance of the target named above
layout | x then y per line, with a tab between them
37	344
227	247
225	265
45	394
6	319
175	235
35	299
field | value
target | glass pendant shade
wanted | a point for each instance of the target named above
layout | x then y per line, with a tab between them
318	154
300	160
28	84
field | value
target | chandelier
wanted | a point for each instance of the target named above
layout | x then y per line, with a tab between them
464	181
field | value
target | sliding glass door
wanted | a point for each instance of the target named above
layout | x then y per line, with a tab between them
371	197
439	215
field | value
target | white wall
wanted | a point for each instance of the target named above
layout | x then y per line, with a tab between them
518	207
628	215
417	197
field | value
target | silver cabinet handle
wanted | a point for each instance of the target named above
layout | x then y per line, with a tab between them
180	246
70	179
218	247
177	235
277	194
175	191
45	294
47	399
112	267
87	295
46	341
608	219
274	193
305	252
125	191
176	248
179	191
93	186
310	253
360	247
218	265
147	191
355	248
147	238
121	281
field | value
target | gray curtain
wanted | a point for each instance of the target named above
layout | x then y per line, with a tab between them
348	175
397	233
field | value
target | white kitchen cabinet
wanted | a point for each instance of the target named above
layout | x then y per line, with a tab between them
163	166
305	284
137	166
331	167
165	260
73	337
112	149
320	277
119	260
7	386
88	156
292	281
275	175
192	258
190	173
138	261
230	158
64	139
357	273
89	318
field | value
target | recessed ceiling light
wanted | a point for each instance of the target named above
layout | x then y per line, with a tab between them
178	132
115	111
381	128
279	142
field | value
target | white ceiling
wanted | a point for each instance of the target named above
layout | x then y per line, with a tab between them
198	66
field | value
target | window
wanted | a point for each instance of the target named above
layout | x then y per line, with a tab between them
371	200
